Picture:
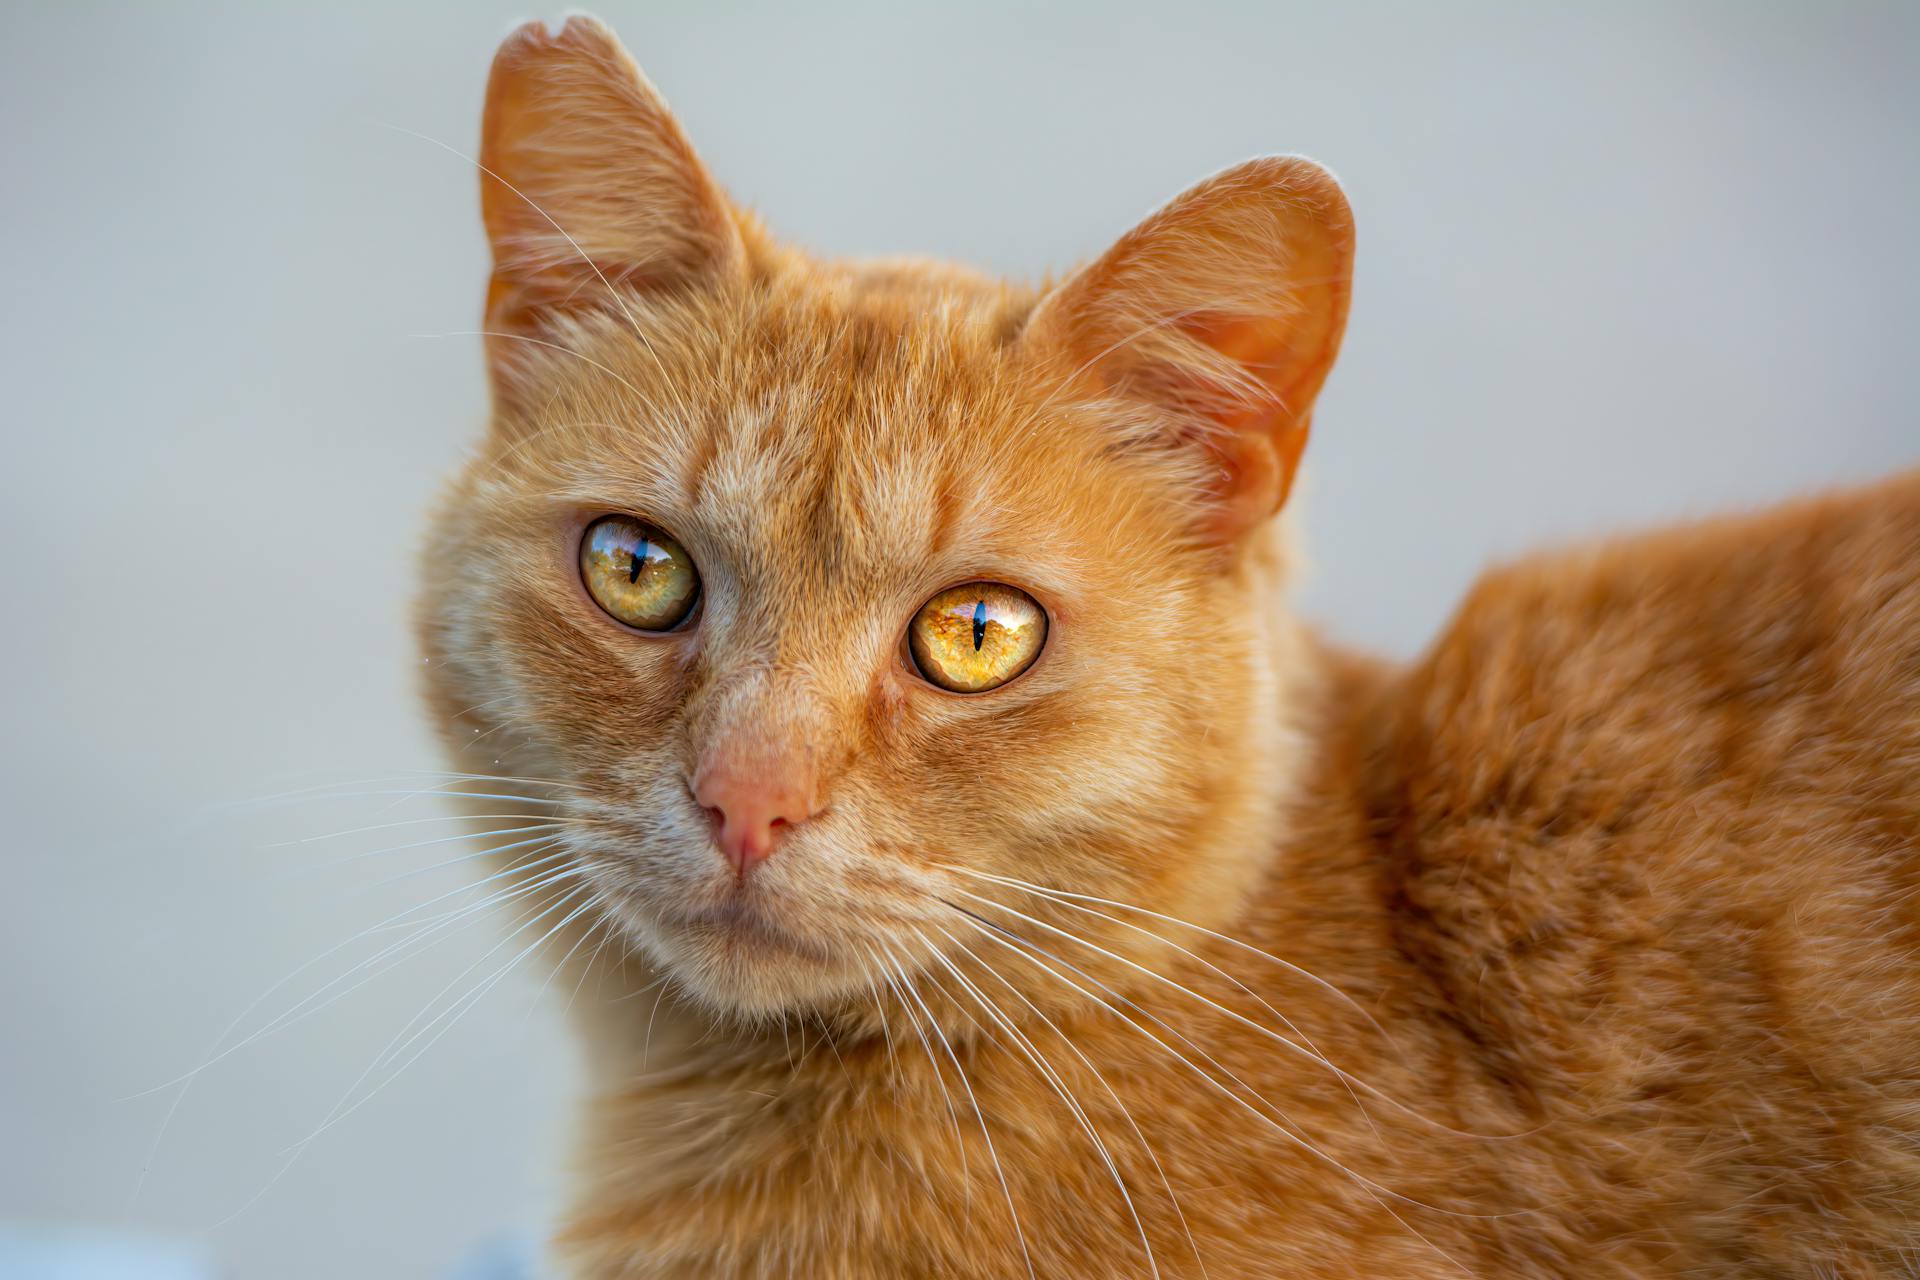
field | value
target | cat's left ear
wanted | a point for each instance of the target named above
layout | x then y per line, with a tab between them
1220	315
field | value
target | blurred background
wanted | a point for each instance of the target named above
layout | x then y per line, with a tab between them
1619	263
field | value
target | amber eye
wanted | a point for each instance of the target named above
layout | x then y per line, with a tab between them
638	574
976	637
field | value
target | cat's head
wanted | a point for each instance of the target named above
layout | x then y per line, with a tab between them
820	590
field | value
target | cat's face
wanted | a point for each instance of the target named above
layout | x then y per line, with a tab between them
812	453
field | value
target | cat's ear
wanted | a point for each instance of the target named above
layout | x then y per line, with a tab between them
1220	315
587	183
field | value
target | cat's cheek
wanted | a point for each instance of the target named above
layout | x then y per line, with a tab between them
598	687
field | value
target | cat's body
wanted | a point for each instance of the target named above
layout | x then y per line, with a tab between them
1586	945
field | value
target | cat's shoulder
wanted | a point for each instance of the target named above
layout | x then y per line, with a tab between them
1727	644
1804	595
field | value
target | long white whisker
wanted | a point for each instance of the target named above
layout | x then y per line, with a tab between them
1305	1048
541	342
432	818
1146	1146
289	977
1215	1005
886	1027
306	1008
939	1075
334	790
450	1015
981	1116
338	1114
1047	1073
594	899
604	926
1311	1050
646	1048
458	837
545	841
399	950
1373	1189
1229	939
519	866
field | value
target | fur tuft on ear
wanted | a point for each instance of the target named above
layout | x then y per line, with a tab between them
587	182
1222	313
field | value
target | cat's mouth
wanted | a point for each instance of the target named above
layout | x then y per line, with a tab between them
759	945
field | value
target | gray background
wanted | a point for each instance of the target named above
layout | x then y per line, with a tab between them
1618	263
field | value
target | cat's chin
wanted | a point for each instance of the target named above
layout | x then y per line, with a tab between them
740	961
753	979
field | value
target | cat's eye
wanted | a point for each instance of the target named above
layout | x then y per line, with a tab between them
977	636
638	573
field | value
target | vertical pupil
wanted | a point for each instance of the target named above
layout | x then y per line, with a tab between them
979	623
640	562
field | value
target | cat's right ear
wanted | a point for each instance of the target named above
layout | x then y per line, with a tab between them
1220	317
587	186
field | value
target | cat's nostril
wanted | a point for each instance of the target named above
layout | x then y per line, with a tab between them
750	812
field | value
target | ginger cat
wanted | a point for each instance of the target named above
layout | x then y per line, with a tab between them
966	867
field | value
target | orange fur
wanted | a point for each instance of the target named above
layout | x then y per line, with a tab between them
1583	946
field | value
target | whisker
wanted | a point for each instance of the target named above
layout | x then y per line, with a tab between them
1146	1146
541	342
646	1049
605	926
826	1036
525	443
1373	1189
953	1112
886	1029
594	899
338	1114
504	723
301	1010
295	973
1005	1189
461	837
1306	1049
518	867
454	1010
334	790
1229	939
482	706
1345	1077
1052	1077
414	822
490	851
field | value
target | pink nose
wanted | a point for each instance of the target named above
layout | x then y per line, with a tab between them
751	800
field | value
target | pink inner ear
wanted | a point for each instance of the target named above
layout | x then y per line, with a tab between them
1259	443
